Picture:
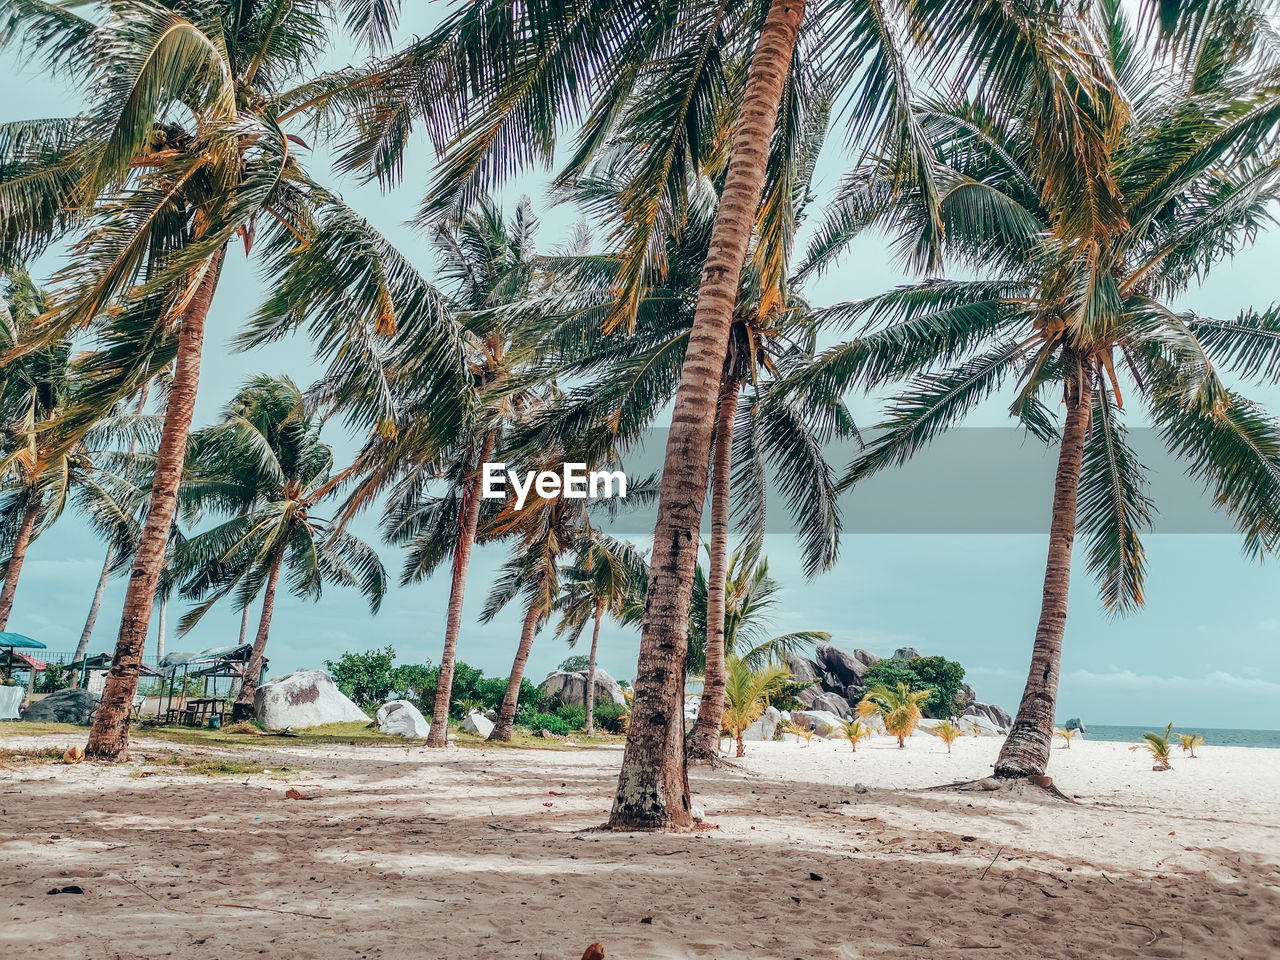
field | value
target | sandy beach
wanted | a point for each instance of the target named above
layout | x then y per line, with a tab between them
491	853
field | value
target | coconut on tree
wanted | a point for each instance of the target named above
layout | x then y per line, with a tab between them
265	467
1077	308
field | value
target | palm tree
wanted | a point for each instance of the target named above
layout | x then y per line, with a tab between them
1066	734
181	151
855	731
541	58
1159	746
606	576
486	261
544	531
1189	742
38	478
746	694
898	708
947	732
1075	316
267	467
751	594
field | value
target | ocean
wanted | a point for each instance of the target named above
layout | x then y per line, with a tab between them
1220	738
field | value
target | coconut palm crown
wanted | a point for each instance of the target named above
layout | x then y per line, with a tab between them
1088	322
266	466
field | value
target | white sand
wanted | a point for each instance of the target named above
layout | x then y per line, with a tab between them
477	854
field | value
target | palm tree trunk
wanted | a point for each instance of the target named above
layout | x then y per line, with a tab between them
511	699
16	558
438	736
704	741
1026	751
590	695
243	708
162	625
244	624
83	646
653	786
110	734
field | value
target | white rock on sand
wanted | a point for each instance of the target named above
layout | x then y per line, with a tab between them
401	718
491	853
478	724
305	698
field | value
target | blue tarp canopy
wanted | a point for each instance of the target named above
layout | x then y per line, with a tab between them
20	642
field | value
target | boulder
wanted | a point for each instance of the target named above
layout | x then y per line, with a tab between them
991	720
491	715
802	669
766	727
1074	724
824	724
821	700
304	698
866	657
571	688
478	724
65	706
401	718
845	668
906	653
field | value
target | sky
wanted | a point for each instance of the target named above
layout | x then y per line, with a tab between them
1204	652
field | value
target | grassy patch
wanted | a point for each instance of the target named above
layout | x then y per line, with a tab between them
31	755
212	766
20	728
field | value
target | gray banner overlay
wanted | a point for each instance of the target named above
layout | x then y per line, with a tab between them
971	480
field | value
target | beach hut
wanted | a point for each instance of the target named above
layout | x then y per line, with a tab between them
15	657
211	667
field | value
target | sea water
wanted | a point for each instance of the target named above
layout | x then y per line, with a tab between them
1212	737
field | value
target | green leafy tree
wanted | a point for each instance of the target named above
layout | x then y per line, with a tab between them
942	677
364	677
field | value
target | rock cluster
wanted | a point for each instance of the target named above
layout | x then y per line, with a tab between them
840	684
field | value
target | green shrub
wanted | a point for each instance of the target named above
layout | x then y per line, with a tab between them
943	678
545	721
609	716
55	677
576	664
